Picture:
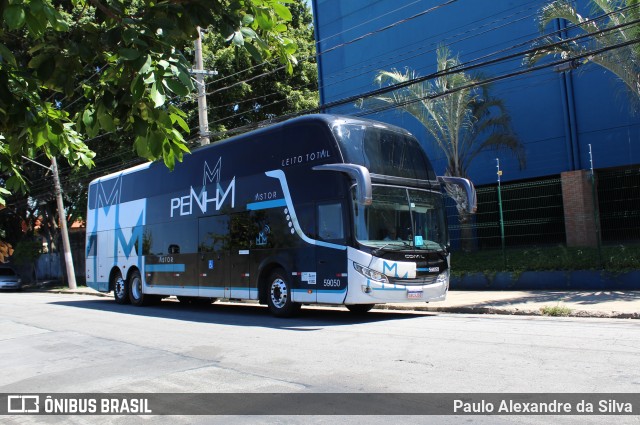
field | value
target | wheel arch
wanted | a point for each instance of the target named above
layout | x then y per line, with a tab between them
115	269
264	271
133	269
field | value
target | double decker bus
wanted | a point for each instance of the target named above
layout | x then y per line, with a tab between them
320	209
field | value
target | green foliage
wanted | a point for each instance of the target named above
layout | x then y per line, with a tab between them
245	92
85	68
27	251
614	28
461	119
556	311
616	259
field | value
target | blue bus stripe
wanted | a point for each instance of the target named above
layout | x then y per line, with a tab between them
267	204
175	268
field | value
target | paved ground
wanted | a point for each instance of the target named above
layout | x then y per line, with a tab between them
606	304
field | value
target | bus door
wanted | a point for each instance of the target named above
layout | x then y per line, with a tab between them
213	250
240	232
331	262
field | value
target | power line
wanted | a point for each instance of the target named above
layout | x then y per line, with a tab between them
406	20
279	68
466	67
524	43
505	76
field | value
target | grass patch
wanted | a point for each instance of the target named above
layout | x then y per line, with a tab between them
556	311
615	259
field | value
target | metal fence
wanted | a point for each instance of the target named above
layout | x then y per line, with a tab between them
533	212
619	204
532	215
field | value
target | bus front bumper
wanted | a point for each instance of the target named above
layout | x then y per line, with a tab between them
367	291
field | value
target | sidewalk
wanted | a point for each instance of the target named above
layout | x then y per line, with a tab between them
604	304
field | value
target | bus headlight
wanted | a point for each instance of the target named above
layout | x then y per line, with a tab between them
443	278
371	274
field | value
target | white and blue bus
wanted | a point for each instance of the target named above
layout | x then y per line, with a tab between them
318	209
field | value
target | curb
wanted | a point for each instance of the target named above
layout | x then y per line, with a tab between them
452	309
511	311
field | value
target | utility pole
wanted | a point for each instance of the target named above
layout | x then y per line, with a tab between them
504	254
66	246
596	209
202	95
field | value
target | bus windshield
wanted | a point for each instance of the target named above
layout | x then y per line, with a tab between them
384	151
401	218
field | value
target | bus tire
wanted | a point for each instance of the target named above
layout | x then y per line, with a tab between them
360	308
279	295
136	294
196	300
120	288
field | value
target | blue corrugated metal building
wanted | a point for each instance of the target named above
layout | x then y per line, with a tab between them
556	115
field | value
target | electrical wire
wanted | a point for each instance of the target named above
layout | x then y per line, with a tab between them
463	68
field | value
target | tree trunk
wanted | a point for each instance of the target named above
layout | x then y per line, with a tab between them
467	236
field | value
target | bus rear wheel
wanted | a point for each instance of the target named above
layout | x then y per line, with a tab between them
136	294
279	295
360	308
120	288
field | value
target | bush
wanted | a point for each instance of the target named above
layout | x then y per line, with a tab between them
616	259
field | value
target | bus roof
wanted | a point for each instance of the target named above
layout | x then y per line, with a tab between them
326	119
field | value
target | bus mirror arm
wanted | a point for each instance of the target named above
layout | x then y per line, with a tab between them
467	187
358	173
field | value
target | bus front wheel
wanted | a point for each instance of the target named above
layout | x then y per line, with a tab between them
120	288
279	295
359	308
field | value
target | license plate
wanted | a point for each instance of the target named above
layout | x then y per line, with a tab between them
414	295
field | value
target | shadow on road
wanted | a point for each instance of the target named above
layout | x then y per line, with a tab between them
567	297
309	319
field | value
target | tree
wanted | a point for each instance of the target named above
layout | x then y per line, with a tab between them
461	119
77	69
243	93
618	24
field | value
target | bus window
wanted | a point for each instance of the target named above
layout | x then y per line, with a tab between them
214	233
242	229
165	238
307	219
330	222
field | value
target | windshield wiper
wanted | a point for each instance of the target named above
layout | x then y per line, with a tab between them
377	251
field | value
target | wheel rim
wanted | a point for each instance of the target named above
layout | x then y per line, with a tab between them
119	288
136	287
279	293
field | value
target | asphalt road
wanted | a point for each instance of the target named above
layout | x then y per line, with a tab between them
71	343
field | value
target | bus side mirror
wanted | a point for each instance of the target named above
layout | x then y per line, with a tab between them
467	187
358	173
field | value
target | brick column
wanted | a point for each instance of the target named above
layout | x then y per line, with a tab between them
577	198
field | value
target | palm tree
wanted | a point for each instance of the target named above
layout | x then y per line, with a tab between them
616	23
461	118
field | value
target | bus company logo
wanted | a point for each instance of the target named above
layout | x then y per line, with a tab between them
23	404
392	268
185	205
108	192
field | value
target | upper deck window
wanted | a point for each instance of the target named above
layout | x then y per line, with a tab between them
384	151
